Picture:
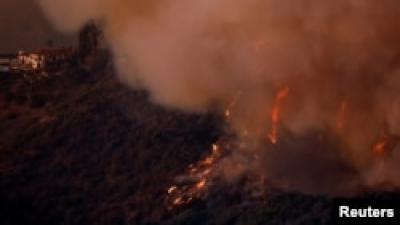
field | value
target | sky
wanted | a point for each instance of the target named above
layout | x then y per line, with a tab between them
23	26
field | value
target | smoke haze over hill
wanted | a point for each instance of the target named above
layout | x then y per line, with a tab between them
335	63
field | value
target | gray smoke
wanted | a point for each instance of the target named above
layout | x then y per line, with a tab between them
338	59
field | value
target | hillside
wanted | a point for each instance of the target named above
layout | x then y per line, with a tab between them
78	147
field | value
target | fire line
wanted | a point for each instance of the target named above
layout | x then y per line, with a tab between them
379	147
275	115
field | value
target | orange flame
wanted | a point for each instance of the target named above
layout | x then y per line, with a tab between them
177	201
232	104
199	173
341	114
227	112
201	184
275	115
379	147
171	189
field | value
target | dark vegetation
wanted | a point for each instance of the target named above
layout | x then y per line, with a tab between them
81	147
78	147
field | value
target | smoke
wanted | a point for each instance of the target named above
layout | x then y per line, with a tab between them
339	61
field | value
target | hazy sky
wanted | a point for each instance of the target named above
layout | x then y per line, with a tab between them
24	27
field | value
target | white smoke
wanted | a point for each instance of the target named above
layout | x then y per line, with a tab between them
192	54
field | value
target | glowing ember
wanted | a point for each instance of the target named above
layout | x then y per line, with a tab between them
193	184
275	115
227	112
201	184
215	148
380	147
232	104
341	114
178	201
171	189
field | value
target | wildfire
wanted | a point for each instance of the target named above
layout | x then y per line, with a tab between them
200	176
193	184
275	115
341	114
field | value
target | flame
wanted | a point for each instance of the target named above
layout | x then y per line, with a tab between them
178	201
193	184
232	104
227	112
171	189
379	147
275	115
341	114
215	149
201	184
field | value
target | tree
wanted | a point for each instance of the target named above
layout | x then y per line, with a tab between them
89	38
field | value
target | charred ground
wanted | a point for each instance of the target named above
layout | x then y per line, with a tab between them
78	147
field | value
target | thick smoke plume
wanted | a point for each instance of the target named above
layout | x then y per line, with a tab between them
337	61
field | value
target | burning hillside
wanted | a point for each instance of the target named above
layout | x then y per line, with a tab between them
82	148
294	96
300	68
